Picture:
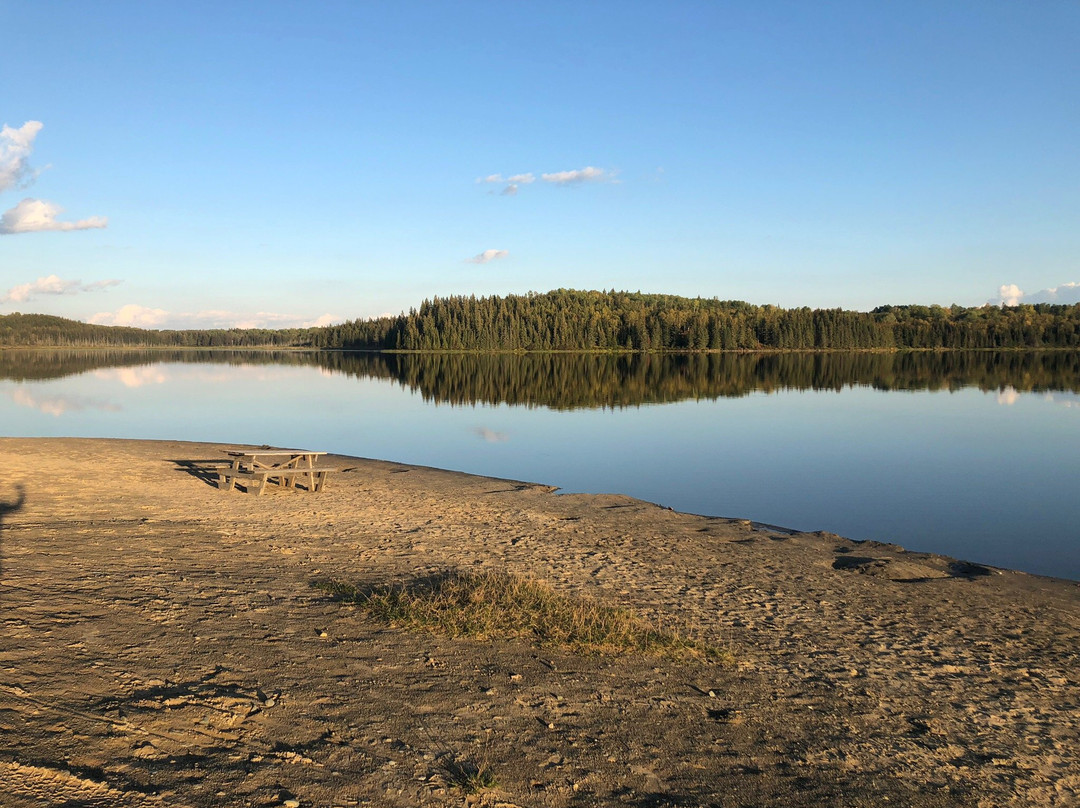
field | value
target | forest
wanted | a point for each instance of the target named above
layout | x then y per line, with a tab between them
569	320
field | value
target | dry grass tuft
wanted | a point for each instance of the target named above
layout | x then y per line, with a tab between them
502	605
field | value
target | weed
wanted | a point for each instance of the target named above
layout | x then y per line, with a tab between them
502	605
469	776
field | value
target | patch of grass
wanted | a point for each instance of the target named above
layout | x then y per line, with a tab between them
470	777
502	605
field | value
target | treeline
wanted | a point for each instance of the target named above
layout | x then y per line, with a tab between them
567	320
43	330
578	380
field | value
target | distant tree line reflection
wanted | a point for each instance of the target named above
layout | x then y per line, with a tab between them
571	381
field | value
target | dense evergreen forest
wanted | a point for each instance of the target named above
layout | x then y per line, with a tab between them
571	381
567	320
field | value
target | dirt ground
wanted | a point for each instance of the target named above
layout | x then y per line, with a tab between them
163	645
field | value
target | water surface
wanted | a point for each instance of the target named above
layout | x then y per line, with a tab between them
975	455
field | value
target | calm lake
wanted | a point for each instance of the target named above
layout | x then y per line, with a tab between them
974	455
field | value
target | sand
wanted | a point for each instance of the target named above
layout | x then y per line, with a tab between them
163	645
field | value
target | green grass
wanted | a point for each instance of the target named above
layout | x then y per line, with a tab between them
502	605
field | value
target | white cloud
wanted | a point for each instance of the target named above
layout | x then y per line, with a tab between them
487	256
496	179
15	148
30	215
37	215
323	320
574	177
513	182
1012	295
1066	293
145	317
53	285
133	315
578	176
1009	294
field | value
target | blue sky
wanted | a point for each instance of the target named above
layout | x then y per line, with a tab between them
283	163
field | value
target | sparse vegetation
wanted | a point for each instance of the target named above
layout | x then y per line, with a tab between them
470	776
503	605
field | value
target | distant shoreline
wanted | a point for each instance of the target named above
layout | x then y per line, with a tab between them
523	352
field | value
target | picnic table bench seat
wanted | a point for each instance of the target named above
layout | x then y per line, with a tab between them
228	476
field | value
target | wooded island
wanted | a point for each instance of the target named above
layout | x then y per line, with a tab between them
569	320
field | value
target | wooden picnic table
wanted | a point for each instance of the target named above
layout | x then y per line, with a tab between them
283	465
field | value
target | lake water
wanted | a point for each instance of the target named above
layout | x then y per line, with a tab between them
974	455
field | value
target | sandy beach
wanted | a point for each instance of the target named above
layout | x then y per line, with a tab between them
163	644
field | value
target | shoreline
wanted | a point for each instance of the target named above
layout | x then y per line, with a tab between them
146	610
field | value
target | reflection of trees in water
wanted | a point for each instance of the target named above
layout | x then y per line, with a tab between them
35	365
605	380
613	380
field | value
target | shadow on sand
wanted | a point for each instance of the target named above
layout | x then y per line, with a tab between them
205	470
5	509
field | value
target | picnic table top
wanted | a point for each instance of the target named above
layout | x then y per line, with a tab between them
282	452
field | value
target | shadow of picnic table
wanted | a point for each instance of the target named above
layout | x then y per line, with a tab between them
205	470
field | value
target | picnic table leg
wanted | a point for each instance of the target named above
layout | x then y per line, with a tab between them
228	481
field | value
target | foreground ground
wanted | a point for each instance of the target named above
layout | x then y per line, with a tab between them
162	644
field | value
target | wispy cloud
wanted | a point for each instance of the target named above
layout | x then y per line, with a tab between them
37	216
53	285
516	179
487	256
30	215
146	317
15	148
1012	295
511	183
578	176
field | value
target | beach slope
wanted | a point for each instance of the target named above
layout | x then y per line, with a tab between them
165	643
